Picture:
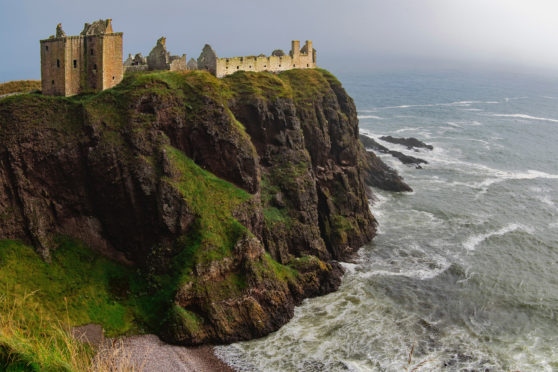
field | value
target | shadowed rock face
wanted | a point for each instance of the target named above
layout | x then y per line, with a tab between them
113	170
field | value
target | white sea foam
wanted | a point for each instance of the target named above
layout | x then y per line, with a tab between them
407	129
473	241
525	116
369	117
456	103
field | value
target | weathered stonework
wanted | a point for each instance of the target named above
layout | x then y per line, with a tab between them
192	64
91	61
158	59
297	58
136	63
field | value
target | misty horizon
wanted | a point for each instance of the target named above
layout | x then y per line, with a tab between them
357	36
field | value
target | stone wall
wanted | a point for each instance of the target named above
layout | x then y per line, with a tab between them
296	59
112	69
74	64
53	66
158	59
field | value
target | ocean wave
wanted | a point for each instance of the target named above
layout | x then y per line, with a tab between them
472	242
524	116
456	103
369	117
408	129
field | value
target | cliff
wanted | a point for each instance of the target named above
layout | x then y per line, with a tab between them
233	199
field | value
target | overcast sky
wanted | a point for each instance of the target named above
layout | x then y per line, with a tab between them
348	34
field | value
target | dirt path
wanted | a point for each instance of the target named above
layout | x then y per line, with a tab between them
149	354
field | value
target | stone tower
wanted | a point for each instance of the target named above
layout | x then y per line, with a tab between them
90	62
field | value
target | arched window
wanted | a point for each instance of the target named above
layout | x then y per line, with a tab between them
75	63
46	48
57	63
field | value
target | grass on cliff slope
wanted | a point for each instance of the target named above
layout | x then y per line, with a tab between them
17	86
213	200
40	301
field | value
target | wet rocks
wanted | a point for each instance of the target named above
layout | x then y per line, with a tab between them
410	142
405	159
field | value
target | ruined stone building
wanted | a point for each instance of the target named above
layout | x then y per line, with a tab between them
90	62
158	59
278	61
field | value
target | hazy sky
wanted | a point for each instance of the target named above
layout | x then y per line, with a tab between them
348	34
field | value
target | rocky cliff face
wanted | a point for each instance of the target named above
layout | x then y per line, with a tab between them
235	197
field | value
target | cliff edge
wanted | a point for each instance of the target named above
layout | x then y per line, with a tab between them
233	198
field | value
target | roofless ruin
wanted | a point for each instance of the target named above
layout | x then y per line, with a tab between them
92	61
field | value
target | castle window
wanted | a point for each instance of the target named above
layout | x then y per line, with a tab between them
57	63
279	65
307	65
227	60
75	63
113	78
52	82
249	66
265	65
95	67
237	67
226	68
46	47
91	51
294	65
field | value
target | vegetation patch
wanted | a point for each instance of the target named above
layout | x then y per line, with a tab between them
17	86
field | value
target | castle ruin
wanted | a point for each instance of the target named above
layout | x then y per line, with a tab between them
89	62
278	61
158	59
92	61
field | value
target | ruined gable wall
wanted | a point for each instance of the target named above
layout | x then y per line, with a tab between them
52	76
112	69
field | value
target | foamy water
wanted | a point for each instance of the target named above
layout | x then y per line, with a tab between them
464	269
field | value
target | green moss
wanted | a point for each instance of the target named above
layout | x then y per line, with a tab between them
341	227
274	215
282	272
213	200
265	85
75	285
307	84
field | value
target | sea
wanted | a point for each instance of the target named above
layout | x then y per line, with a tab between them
463	274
